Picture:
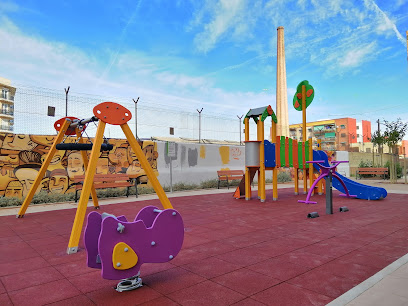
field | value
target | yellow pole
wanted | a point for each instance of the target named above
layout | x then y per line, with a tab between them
43	168
261	182
275	169
311	176
86	162
146	166
247	172
304	135
86	190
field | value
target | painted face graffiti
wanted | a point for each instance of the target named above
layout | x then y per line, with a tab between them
75	165
59	181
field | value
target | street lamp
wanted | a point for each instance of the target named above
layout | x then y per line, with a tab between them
240	133
199	124
66	101
136	116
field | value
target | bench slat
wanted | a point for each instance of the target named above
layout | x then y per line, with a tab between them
106	185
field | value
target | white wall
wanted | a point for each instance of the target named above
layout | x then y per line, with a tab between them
198	162
343	168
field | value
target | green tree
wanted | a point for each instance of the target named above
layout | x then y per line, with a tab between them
378	139
394	133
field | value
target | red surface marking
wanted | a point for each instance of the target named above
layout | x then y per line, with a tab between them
309	93
112	113
334	252
299	95
287	151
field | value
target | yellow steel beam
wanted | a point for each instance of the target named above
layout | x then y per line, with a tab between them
86	162
43	168
86	190
146	166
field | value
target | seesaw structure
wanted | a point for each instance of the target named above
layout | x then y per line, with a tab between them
104	113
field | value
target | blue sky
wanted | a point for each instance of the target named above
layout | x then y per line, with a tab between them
219	55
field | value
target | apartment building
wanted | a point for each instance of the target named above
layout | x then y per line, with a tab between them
6	105
343	134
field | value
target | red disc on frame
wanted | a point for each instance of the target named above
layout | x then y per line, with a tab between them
58	124
112	113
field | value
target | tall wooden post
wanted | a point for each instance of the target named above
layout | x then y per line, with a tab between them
275	169
304	135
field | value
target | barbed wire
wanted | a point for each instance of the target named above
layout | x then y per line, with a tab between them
154	119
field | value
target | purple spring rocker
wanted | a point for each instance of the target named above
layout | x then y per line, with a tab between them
119	247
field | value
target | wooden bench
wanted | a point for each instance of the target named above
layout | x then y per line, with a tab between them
102	181
229	175
373	171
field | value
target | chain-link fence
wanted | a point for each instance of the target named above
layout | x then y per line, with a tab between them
32	105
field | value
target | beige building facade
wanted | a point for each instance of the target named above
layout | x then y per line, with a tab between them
6	105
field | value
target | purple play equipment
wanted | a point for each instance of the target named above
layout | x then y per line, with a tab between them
119	247
326	172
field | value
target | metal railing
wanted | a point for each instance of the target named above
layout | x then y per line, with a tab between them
7	112
7	97
6	127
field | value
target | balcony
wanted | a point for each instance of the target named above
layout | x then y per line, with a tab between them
6	127
7	97
8	112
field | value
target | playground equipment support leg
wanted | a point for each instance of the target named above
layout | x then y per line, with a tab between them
261	182
146	167
86	163
296	178
86	190
311	176
43	168
329	194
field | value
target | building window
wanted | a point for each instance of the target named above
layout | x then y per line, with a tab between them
357	127
358	135
4	93
343	135
342	126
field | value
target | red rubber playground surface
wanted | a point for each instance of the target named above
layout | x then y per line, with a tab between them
235	252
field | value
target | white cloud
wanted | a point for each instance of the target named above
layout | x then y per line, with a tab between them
226	14
384	22
326	31
356	56
34	61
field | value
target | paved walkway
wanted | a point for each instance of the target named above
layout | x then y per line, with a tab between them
387	287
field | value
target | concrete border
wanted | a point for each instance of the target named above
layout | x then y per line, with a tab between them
369	282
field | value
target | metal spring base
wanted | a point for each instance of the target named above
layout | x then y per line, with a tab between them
130	283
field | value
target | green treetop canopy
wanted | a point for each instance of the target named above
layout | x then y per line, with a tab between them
264	111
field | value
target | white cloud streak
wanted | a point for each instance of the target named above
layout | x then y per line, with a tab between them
385	22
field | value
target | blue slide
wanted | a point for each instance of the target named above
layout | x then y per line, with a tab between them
362	191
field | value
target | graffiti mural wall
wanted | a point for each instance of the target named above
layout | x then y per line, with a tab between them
21	157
